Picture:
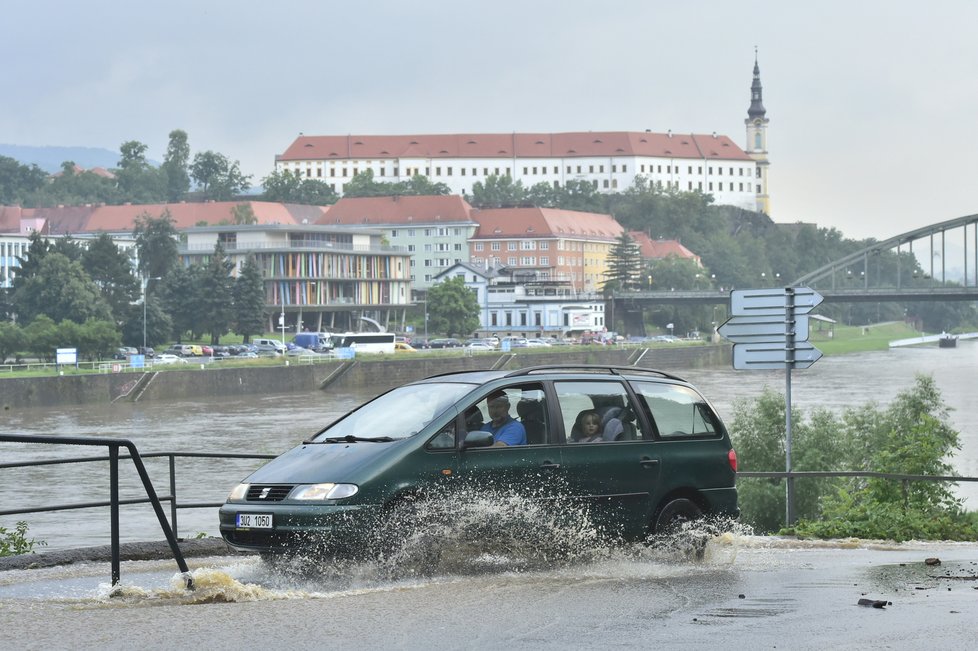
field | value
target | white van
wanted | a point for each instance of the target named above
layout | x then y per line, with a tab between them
266	346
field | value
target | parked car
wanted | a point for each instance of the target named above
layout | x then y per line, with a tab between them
513	342
269	347
404	347
663	455
147	352
537	343
168	358
445	342
479	346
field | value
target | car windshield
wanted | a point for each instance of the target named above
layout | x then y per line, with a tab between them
397	414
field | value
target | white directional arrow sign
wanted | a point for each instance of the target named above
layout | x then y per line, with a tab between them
774	356
772	301
748	329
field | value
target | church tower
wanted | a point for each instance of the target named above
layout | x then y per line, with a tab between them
757	140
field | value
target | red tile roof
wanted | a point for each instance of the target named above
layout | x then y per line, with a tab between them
544	222
81	219
398	210
659	249
520	145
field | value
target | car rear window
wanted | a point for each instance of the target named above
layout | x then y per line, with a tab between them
677	411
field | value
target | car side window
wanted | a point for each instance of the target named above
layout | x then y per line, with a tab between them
677	411
516	415
596	412
444	439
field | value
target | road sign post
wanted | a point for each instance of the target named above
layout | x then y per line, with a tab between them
769	330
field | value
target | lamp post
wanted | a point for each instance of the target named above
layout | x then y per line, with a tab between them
145	287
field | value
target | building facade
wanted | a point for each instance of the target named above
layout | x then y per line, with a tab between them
433	230
546	244
514	304
609	160
316	277
756	124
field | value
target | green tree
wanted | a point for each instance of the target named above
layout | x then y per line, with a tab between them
139	182
12	340
364	185
497	192
156	243
74	188
220	179
96	339
180	300
452	307
215	295
42	337
19	183
288	187
159	327
111	270
249	300
175	166
61	290
625	263
243	214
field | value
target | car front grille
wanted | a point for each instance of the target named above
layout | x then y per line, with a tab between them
269	492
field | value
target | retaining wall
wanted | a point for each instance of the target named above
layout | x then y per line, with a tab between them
370	371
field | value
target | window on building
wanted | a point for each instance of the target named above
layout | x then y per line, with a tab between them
427	247
711	186
606	183
495	246
568	169
319	172
509	318
555	170
528	245
493	319
463	171
525	172
479	246
497	171
758	188
544	260
591	169
624	168
578	169
534	170
510	246
511	260
427	262
394	233
344	172
410	248
438	171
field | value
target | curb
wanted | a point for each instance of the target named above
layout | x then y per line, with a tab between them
137	551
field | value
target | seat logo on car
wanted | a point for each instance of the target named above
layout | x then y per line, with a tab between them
264	492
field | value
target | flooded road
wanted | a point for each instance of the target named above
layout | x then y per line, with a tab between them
748	593
273	424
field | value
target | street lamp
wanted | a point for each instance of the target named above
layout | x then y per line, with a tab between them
145	285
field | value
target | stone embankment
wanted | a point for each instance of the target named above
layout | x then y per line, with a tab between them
369	371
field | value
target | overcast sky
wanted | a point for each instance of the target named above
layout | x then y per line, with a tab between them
873	106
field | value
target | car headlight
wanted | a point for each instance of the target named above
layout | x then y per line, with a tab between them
238	493
324	491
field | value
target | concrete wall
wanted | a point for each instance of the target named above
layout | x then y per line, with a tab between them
375	372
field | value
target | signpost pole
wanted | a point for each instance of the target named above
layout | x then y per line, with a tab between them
789	335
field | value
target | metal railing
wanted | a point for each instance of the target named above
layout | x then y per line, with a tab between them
114	502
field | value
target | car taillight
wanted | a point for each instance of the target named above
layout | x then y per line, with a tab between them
732	458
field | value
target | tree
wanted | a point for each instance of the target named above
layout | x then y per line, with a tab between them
61	290
625	263
19	183
180	300
175	164
96	339
42	337
452	307
244	214
363	185
249	300
156	243
289	187
497	192
12	340
214	291
139	182
111	270
220	179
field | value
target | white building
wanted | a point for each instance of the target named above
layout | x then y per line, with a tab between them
511	304
609	160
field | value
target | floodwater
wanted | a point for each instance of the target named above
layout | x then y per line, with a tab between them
272	424
747	593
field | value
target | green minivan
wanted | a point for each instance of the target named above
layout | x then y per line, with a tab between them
639	449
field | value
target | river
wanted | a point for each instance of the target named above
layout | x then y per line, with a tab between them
273	423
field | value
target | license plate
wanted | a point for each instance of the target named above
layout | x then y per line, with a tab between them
254	521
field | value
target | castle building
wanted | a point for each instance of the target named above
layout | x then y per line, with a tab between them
609	161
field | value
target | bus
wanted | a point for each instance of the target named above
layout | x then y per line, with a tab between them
364	342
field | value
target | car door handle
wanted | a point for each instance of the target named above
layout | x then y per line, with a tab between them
550	465
648	462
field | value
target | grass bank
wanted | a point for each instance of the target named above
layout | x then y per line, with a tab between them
840	339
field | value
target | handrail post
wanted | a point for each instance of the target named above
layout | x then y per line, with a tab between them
114	511
173	495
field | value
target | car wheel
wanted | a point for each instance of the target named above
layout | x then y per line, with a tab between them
669	523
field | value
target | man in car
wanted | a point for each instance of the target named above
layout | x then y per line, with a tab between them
504	428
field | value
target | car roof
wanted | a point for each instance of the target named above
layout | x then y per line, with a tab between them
483	376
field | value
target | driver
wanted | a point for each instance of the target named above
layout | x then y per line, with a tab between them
504	428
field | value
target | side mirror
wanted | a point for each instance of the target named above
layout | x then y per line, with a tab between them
478	439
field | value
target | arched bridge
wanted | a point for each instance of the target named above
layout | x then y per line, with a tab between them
913	266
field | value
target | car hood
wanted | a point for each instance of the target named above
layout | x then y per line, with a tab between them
313	463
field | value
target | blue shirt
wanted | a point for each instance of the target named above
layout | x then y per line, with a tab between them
511	432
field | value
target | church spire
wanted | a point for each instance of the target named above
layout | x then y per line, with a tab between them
756	109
